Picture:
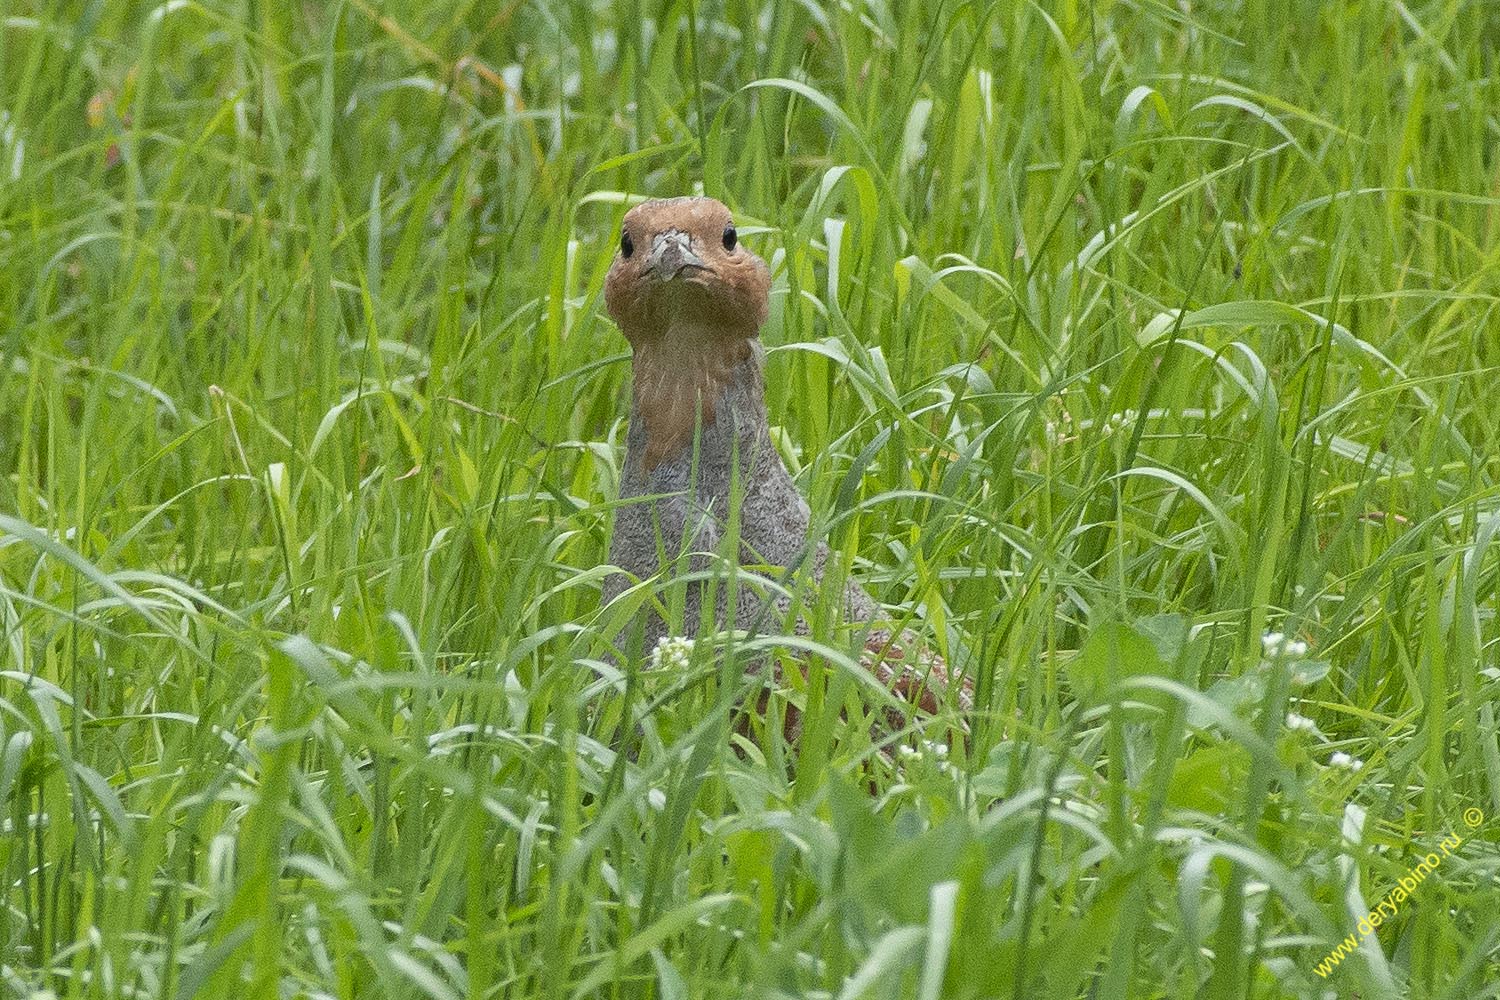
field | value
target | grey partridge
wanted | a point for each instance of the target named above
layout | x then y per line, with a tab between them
690	299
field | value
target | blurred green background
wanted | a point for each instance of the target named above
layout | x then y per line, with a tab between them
1141	355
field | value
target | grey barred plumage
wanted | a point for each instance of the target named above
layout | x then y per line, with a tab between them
691	299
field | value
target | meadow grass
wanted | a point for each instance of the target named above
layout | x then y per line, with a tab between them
1108	342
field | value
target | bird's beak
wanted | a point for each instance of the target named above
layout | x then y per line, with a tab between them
671	253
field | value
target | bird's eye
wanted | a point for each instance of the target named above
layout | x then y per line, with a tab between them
626	246
730	236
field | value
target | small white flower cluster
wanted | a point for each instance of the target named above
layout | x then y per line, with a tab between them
671	652
1343	760
1274	645
1061	430
937	750
1300	723
1117	422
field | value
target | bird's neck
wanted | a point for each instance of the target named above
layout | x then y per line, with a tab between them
687	371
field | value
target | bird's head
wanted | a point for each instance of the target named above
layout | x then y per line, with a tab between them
680	264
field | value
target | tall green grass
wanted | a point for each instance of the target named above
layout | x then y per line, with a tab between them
1106	339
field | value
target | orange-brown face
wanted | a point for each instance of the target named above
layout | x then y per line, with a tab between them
680	262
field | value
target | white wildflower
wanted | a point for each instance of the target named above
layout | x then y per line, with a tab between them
1300	723
1343	760
1274	645
672	652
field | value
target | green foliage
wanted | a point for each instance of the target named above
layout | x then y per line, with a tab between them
1106	338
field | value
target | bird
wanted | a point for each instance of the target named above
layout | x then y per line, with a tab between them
690	298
